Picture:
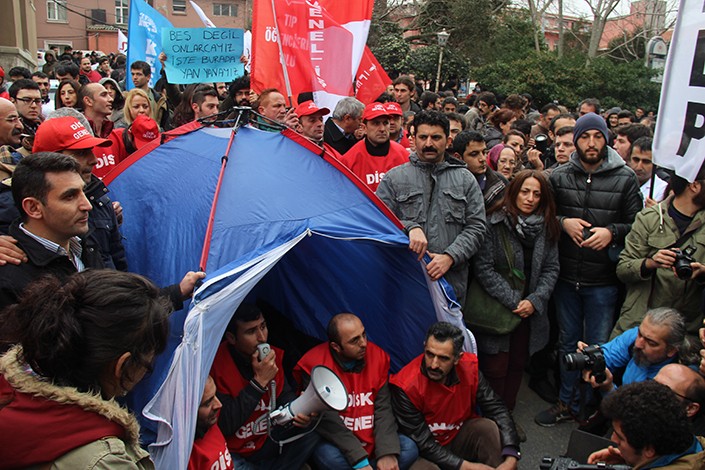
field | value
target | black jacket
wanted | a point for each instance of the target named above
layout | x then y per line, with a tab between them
336	139
14	278
412	423
609	197
104	226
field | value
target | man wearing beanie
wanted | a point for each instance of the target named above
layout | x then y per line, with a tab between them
597	197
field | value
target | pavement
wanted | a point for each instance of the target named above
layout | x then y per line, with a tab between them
541	441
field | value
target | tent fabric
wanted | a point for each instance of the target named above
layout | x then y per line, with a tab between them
292	227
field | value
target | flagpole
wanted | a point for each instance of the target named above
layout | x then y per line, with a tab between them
282	60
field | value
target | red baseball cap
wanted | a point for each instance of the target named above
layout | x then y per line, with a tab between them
65	133
144	130
393	108
2	72
374	110
307	108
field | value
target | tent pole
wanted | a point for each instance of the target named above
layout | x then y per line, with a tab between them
282	59
211	217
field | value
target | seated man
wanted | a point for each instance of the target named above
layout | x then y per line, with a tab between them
244	385
643	350
650	429
209	447
436	397
690	388
365	434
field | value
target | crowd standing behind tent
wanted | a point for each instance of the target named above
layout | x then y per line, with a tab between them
556	219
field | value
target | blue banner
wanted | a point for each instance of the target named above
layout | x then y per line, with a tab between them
196	55
144	39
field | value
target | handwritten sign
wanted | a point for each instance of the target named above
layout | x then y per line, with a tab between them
196	55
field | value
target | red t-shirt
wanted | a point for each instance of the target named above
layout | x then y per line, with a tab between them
362	387
250	437
445	408
369	168
210	452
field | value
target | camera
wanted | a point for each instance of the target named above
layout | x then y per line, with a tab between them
541	142
682	263
565	463
590	358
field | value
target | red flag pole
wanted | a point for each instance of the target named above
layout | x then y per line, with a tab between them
282	59
211	217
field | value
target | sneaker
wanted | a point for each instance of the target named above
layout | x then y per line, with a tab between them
554	415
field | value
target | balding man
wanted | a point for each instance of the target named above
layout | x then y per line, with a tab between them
97	107
365	434
690	388
10	134
272	105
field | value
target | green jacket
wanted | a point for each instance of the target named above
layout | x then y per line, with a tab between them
653	230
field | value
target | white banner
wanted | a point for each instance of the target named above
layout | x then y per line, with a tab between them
122	42
679	143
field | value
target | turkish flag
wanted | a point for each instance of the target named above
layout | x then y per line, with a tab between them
322	43
371	80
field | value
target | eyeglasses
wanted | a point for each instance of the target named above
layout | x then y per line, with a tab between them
12	119
36	101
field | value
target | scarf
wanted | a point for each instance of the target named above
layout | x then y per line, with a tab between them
528	228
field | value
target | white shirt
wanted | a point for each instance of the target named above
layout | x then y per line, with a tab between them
659	189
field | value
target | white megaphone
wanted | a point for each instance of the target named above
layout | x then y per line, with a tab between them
325	392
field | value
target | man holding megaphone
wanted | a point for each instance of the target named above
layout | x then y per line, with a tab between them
364	435
246	370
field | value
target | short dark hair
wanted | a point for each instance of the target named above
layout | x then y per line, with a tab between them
522	125
73	330
458	118
405	80
463	139
594	102
39	74
29	177
21	71
246	312
650	415
564	130
428	97
103	59
488	98
644	143
450	100
143	66
199	96
22	84
625	113
65	67
432	118
550	107
634	131
444	331
552	126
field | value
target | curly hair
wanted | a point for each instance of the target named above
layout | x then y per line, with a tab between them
650	415
432	118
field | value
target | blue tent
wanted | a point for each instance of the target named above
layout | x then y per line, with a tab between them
291	226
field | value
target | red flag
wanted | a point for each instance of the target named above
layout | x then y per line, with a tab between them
371	79
321	41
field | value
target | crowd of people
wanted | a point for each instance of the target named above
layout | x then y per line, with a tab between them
553	227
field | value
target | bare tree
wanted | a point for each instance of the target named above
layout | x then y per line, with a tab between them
601	10
537	8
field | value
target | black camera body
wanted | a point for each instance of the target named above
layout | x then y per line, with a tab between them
590	358
541	142
682	263
565	463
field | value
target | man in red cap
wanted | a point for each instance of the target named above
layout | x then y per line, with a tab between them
311	121
396	124
374	155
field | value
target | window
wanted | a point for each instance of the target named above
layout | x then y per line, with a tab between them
224	9
121	11
178	6
56	10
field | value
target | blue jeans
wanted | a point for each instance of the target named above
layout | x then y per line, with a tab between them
326	455
584	315
271	457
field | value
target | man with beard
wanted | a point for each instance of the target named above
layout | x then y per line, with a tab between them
597	197
238	94
209	451
646	263
643	350
439	203
373	156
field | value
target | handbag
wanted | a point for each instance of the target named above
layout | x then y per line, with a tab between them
484	313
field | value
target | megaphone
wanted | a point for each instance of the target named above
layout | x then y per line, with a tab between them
325	392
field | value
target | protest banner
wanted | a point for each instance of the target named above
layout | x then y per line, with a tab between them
197	55
144	39
679	142
371	80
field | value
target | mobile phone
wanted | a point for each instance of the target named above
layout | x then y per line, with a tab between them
263	350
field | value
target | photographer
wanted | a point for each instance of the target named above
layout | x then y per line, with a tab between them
642	351
650	429
647	263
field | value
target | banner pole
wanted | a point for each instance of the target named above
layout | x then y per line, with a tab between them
282	60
